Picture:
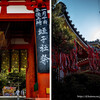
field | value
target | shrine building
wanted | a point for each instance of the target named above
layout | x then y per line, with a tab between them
24	34
84	57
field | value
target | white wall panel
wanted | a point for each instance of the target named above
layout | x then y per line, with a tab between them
18	9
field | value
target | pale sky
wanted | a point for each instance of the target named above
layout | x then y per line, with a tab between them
86	17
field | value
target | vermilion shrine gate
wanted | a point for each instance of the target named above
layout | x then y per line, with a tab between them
18	31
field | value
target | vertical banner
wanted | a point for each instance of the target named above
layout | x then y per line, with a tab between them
42	39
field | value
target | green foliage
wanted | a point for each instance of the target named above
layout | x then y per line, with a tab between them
61	35
12	79
16	78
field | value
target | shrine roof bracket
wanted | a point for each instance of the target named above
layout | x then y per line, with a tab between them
30	5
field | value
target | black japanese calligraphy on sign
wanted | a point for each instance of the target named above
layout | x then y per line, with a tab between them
42	39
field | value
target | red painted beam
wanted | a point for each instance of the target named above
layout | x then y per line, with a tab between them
19	46
18	17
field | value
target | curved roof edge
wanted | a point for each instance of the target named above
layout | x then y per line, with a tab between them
71	26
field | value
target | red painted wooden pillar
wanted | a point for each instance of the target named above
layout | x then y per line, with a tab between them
43	83
4	7
30	73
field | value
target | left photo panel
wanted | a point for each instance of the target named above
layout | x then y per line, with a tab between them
25	49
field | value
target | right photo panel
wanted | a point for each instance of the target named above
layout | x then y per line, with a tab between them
75	49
